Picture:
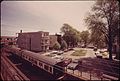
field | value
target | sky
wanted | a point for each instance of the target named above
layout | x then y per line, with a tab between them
49	16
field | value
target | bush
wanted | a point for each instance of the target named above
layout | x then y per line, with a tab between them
63	45
56	46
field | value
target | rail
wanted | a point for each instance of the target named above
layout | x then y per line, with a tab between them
9	71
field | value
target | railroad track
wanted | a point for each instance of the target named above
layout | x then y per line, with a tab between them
9	71
32	72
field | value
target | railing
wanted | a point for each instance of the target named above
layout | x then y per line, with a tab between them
105	66
90	73
93	71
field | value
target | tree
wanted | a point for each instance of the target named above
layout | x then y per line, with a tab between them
56	46
63	45
98	40
59	38
105	20
70	35
85	37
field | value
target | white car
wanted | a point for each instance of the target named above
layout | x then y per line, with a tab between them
60	52
103	50
54	52
58	57
97	53
72	66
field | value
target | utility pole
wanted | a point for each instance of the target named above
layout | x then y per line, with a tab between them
30	44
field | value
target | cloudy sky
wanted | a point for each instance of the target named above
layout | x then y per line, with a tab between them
31	16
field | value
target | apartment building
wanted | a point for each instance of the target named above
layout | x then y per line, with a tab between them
34	41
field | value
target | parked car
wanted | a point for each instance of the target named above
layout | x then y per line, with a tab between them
66	50
60	52
75	60
95	49
67	61
98	54
103	50
70	49
83	46
73	65
58	57
54	52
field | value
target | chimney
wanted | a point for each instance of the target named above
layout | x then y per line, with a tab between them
20	31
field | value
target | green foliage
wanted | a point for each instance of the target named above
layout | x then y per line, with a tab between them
70	35
63	44
56	46
85	36
79	53
103	21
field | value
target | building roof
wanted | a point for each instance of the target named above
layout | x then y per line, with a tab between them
33	32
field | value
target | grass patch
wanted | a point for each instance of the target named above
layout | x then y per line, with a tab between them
79	53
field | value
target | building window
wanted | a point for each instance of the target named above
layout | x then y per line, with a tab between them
46	41
29	58
40	64
51	69
34	61
41	41
11	39
42	34
47	47
43	47
46	67
7	38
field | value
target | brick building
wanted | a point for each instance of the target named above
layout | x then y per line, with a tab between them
7	40
34	41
